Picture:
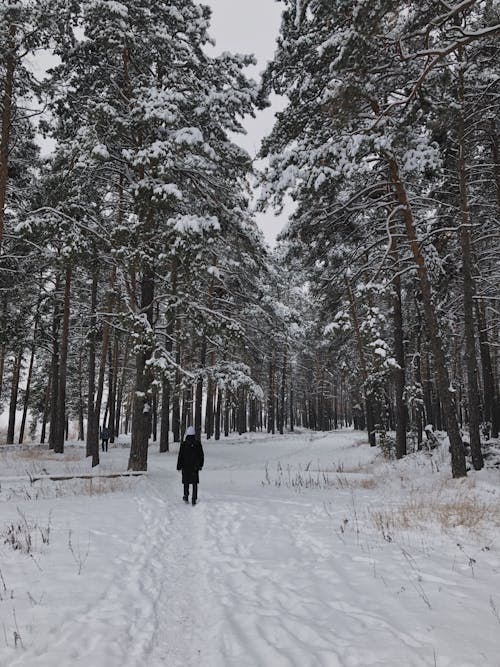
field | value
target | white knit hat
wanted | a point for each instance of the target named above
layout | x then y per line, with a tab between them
190	430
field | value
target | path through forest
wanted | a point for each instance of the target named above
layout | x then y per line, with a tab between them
277	566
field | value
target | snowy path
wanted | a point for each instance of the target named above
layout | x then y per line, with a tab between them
260	575
144	615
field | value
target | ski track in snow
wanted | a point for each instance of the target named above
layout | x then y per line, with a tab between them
138	619
252	577
275	614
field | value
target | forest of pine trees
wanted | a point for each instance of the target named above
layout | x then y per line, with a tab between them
136	289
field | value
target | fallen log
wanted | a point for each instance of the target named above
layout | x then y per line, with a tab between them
110	475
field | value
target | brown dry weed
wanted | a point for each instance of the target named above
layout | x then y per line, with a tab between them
463	508
47	455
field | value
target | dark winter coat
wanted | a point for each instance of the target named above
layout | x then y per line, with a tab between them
190	460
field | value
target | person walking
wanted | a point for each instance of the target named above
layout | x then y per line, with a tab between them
105	436
190	461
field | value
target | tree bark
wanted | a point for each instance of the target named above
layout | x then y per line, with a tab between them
399	373
102	371
14	391
199	389
495	417
169	344
121	387
457	449
486	366
282	392
176	398
113	389
370	426
218	409
30	374
468	290
209	411
92	433
165	416
227	401
81	417
2	367
63	363
141	421
54	364
8	91
27	391
45	412
271	417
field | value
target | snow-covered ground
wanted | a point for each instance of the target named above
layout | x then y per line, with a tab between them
304	550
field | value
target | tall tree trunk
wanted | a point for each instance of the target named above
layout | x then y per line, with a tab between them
165	416
252	417
106	327
335	391
399	373
495	152
30	374
8	91
271	417
3	350
128	411
370	425
92	427
242	411
487	370
418	380
121	387
176	405
141	421
54	364
199	389
172	328
113	390
105	419
14	391
27	391
218	409
427	389
187	409
96	426
63	363
176	398
45	412
457	449
209	411
154	425
282	391
227	404
81	410
495	424
468	291
2	367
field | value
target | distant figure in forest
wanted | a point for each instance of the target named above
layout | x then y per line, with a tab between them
190	461
105	436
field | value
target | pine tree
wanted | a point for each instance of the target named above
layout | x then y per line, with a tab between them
354	136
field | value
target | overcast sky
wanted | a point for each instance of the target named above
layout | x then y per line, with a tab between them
251	26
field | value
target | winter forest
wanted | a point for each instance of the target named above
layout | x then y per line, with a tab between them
139	296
